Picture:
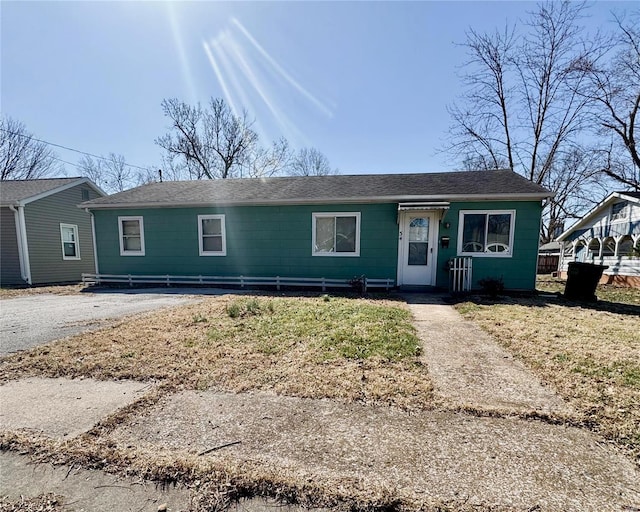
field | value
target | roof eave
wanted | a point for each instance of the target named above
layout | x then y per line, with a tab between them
61	188
323	200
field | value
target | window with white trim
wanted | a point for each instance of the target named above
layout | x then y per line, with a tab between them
336	234
131	231
70	244
486	233
211	235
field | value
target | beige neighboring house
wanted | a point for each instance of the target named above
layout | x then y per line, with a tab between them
609	235
44	236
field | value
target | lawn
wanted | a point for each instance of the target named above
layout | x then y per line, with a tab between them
590	353
351	349
315	347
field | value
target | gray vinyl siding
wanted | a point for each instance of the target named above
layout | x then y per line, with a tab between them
43	219
9	256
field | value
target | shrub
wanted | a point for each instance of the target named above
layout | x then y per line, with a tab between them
492	286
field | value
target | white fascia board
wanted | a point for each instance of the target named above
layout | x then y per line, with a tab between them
327	200
624	196
71	184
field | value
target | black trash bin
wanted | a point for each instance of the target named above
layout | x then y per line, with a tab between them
582	279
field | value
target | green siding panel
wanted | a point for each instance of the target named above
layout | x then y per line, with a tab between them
518	271
43	218
261	241
276	241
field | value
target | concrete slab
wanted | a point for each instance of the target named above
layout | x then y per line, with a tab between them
63	408
427	457
85	490
97	491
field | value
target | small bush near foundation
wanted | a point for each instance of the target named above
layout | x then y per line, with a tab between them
492	286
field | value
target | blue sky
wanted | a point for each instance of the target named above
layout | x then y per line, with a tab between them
367	83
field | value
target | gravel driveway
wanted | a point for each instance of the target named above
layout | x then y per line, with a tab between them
28	321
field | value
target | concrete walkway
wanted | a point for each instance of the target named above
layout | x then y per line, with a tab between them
426	459
470	370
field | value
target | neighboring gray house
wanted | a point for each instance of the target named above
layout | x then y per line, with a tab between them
44	236
607	235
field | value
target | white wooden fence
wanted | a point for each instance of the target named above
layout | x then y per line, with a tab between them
363	284
460	274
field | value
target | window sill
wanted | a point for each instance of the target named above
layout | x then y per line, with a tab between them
337	254
485	254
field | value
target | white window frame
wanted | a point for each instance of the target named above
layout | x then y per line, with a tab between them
320	215
626	209
124	252
486	254
202	252
74	228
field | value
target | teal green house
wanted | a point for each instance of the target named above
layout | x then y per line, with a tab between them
394	230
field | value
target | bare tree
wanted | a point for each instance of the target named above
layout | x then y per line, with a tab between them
207	142
578	185
111	173
261	162
615	90
22	157
481	130
522	107
310	162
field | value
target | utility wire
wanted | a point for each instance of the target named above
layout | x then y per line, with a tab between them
31	137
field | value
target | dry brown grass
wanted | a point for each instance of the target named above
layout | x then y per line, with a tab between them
218	482
590	353
66	289
200	346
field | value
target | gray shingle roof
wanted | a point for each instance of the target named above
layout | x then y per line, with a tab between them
328	189
12	191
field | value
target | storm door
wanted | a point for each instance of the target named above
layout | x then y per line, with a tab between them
416	250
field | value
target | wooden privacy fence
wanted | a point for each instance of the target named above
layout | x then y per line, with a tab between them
460	274
360	283
548	263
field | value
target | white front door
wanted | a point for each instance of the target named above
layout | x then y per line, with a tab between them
417	249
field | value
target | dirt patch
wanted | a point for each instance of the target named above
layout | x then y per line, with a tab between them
419	459
69	289
48	502
63	408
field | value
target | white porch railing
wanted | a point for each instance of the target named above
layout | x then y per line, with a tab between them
242	281
460	274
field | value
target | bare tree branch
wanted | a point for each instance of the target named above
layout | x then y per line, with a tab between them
522	106
111	173
310	162
22	157
207	142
